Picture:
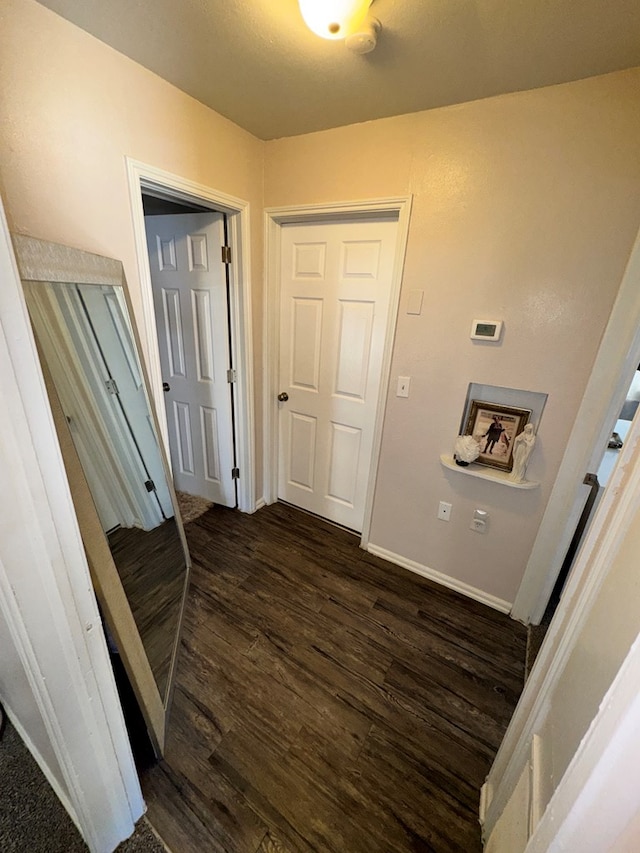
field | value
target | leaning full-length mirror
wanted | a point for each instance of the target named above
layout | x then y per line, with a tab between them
86	338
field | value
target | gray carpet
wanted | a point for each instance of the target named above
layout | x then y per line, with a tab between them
32	819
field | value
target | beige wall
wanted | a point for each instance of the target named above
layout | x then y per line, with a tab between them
525	208
72	109
603	642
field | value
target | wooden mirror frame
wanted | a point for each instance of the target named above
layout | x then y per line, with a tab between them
41	261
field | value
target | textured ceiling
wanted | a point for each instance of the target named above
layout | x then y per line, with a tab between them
255	62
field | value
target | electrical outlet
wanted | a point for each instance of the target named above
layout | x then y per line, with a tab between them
444	511
479	521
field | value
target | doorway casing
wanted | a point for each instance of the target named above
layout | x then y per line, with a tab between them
143	178
617	359
615	364
63	699
275	218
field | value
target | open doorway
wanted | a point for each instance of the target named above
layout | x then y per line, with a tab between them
623	407
597	483
620	430
198	331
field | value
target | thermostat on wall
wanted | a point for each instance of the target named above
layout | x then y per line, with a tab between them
486	330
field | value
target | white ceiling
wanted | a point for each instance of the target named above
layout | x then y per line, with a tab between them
255	62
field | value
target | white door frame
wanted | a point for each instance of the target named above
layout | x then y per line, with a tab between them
308	214
47	601
616	362
616	510
617	359
143	177
598	798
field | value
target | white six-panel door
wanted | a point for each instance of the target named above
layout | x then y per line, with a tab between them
190	298
336	283
109	319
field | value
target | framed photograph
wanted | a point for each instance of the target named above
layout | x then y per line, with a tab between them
494	427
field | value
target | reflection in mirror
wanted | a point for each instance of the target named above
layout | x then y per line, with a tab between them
85	336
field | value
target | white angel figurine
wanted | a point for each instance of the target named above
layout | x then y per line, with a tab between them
522	448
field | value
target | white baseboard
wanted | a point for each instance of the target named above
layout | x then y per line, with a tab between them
443	580
536	804
485	799
259	504
51	779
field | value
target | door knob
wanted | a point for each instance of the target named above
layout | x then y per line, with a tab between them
166	387
283	396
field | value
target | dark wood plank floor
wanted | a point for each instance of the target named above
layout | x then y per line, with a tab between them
327	700
152	569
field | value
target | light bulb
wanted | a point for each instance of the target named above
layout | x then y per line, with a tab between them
333	19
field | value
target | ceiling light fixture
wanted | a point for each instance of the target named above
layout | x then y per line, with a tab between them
342	19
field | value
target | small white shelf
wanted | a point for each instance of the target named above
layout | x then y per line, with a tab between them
484	473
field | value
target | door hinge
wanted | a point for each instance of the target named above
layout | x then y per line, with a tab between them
226	254
231	375
150	486
112	388
235	473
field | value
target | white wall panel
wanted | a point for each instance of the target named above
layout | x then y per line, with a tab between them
197	252
361	259
302	444
203	334
167	254
182	418
306	331
210	443
309	260
173	326
352	369
343	462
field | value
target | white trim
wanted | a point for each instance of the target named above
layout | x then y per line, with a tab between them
444	580
275	217
615	512
46	596
142	176
536	802
615	364
600	792
484	799
259	504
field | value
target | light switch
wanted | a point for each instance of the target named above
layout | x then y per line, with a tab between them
403	386
414	302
